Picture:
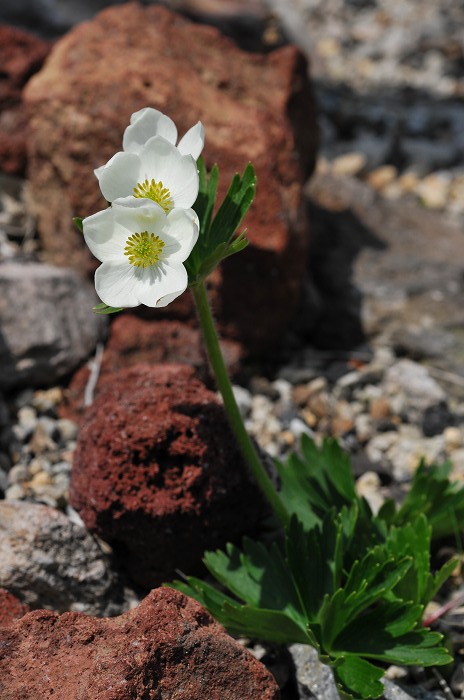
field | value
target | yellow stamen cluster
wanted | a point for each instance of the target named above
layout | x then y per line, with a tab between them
143	249
155	191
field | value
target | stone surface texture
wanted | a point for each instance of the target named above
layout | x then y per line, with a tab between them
158	475
254	107
133	340
53	562
21	55
169	648
11	608
47	327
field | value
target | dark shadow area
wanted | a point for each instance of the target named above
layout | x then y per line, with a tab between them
330	312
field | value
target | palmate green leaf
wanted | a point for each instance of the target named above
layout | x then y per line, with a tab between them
246	620
311	560
391	632
105	309
375	580
258	576
317	481
433	494
413	540
357	678
273	625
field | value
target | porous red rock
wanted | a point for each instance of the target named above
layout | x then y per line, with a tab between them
158	475
133	340
254	107
168	648
21	55
11	608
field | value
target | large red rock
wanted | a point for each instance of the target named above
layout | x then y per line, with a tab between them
133	340
21	55
158	475
169	648
254	107
11	608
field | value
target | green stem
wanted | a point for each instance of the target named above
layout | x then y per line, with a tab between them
222	378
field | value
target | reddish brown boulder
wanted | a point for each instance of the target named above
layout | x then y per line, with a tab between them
169	648
133	340
158	475
254	107
11	608
21	55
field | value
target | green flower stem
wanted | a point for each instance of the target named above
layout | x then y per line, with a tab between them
222	378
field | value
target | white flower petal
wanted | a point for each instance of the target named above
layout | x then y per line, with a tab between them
98	172
119	176
116	283
144	124
180	234
163	162
137	215
105	239
193	141
163	280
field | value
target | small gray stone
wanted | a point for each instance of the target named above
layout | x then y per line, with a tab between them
67	429
15	492
415	382
48	327
314	679
53	563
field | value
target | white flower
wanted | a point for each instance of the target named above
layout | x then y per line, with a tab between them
158	171
150	122
141	249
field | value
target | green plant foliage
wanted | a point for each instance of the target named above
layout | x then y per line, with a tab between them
433	494
105	309
77	221
217	239
351	584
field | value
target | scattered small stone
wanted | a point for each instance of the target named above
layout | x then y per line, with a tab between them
54	563
453	438
382	177
349	164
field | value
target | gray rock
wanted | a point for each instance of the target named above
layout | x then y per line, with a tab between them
47	327
314	679
54	563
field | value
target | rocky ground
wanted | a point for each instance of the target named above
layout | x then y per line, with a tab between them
376	353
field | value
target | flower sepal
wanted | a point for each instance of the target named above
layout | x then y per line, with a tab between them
217	239
105	309
77	221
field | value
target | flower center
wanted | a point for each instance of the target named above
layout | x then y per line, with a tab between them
143	249
155	191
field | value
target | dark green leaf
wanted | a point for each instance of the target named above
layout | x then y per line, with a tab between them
358	678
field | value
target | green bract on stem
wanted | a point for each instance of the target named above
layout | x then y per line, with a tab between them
235	419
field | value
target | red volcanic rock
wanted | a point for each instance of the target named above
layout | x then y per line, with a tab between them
21	55
158	475
254	107
133	340
168	648
11	608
